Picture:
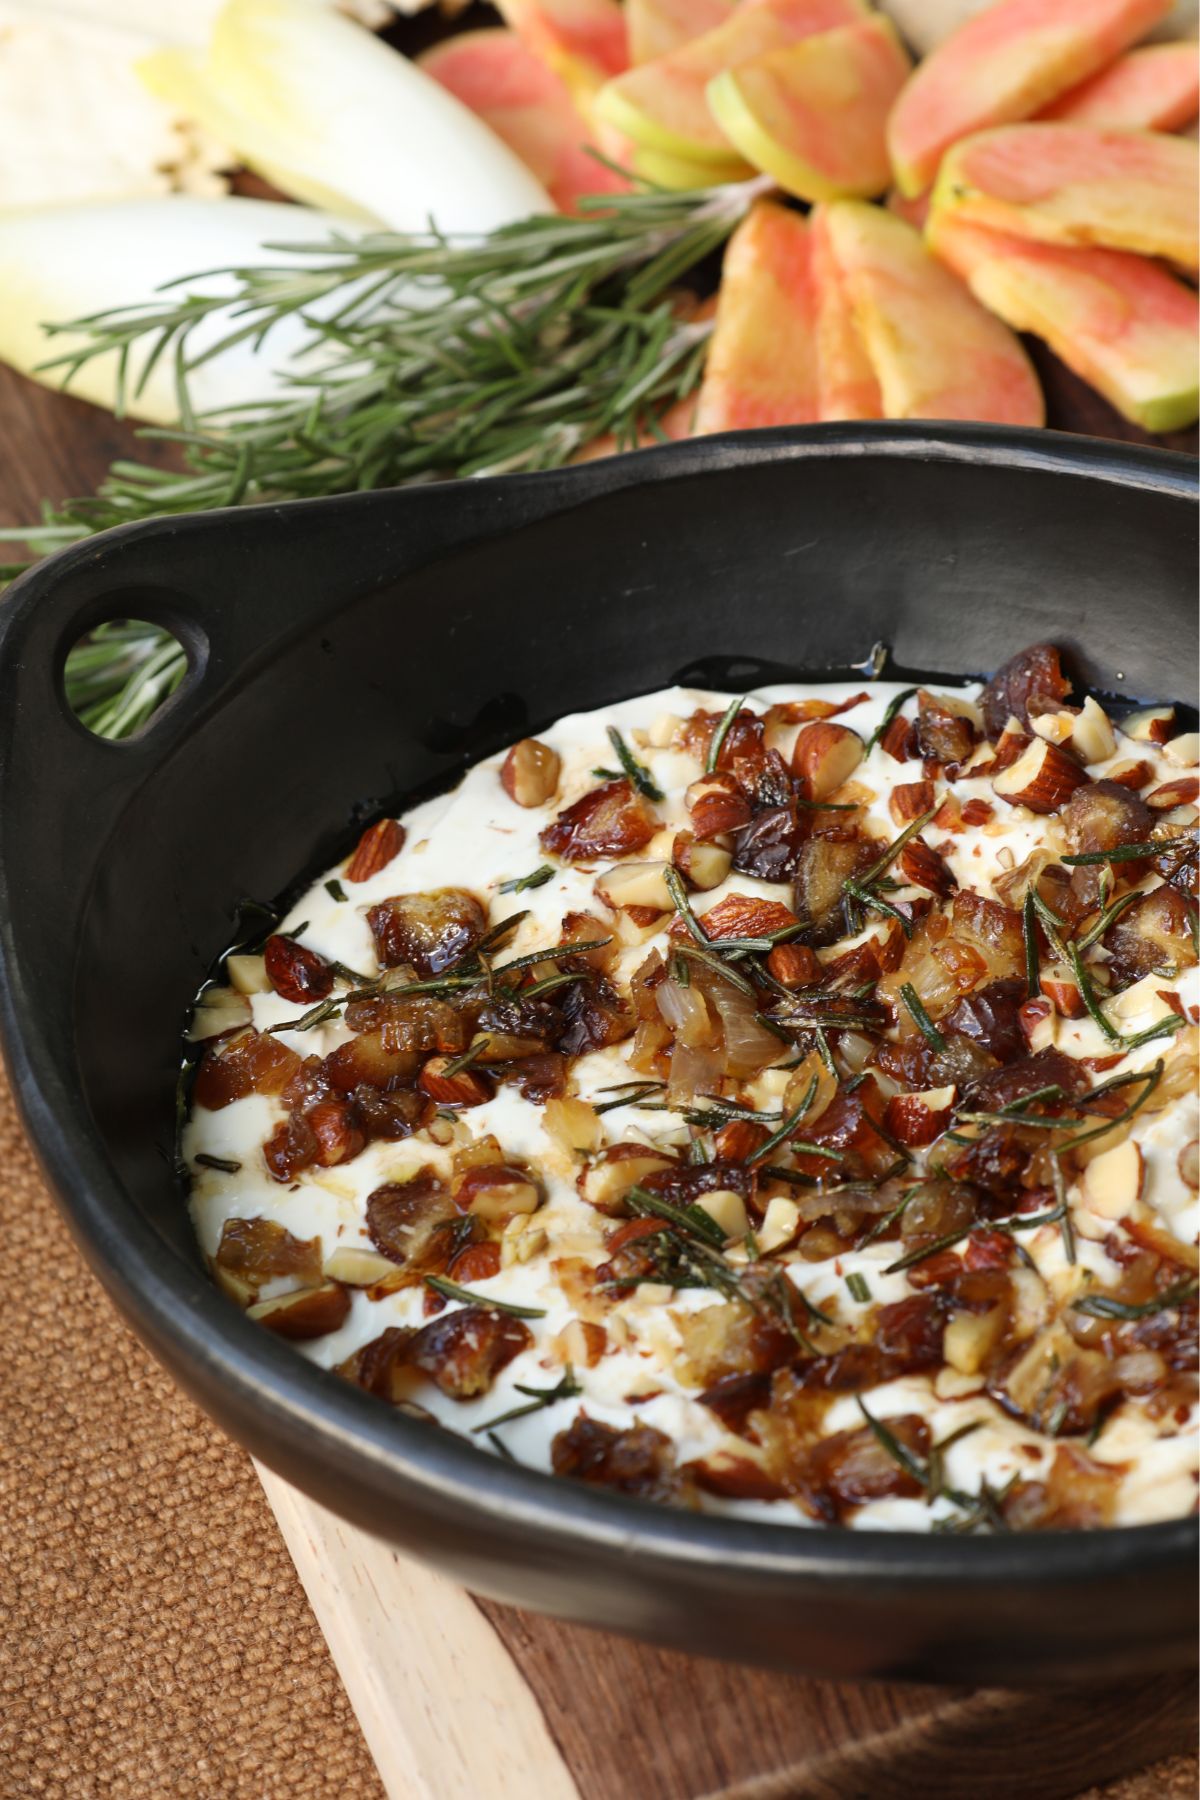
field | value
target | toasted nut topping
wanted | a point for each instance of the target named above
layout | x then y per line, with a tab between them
530	773
1043	778
825	755
464	1088
377	847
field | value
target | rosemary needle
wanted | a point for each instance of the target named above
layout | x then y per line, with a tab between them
548	334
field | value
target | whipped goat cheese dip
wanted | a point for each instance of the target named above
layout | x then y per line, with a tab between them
870	1202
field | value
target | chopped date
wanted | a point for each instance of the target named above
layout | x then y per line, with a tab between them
402	1217
253	1062
255	1251
734	1397
769	847
1103	815
612	820
990	1017
295	972
844	1471
943	736
427	932
1017	1080
1032	675
464	1351
387	1118
743	741
595	1016
638	1460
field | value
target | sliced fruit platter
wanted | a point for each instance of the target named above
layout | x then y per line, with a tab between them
1026	176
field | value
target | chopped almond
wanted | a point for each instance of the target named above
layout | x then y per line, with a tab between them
1043	778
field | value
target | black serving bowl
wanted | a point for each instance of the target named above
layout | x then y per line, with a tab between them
347	650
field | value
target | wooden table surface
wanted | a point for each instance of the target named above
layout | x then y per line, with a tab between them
623	1719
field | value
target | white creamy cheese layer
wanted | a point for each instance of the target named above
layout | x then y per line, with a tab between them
476	838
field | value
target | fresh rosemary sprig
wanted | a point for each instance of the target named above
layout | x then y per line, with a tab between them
921	1018
425	357
637	771
450	1290
522	883
566	1389
720	734
1107	1306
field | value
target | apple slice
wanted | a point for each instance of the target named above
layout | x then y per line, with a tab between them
761	366
526	104
936	353
583	41
1156	88
657	27
678	173
1079	185
846	384
663	103
814	115
1122	323
1006	63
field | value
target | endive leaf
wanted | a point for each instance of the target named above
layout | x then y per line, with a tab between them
336	117
66	262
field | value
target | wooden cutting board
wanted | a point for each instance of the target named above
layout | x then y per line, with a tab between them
462	1699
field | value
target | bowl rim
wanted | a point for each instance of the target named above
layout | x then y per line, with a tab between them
195	1330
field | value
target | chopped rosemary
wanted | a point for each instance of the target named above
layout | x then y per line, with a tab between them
692	1220
921	1018
1051	924
785	1131
857	1288
1126	852
1106	1306
335	890
634	1098
717	743
566	1389
893	707
637	771
925	1251
719	966
683	906
680	974
548	983
1033	961
866	898
1151	1076
470	1055
224	1164
450	1290
884	862
538	878
900	1454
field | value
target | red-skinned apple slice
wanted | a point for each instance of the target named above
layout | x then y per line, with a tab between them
761	364
846	384
658	27
524	102
583	41
1122	323
1006	63
663	104
1156	88
814	115
1081	185
936	353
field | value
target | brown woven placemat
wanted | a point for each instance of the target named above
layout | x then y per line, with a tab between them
155	1643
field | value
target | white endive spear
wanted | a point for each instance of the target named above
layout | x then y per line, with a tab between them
334	116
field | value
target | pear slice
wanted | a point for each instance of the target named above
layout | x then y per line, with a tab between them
937	354
815	115
1155	88
662	104
1005	63
761	366
1079	184
1124	324
846	383
678	173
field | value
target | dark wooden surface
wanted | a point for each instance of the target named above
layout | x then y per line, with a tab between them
637	1722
